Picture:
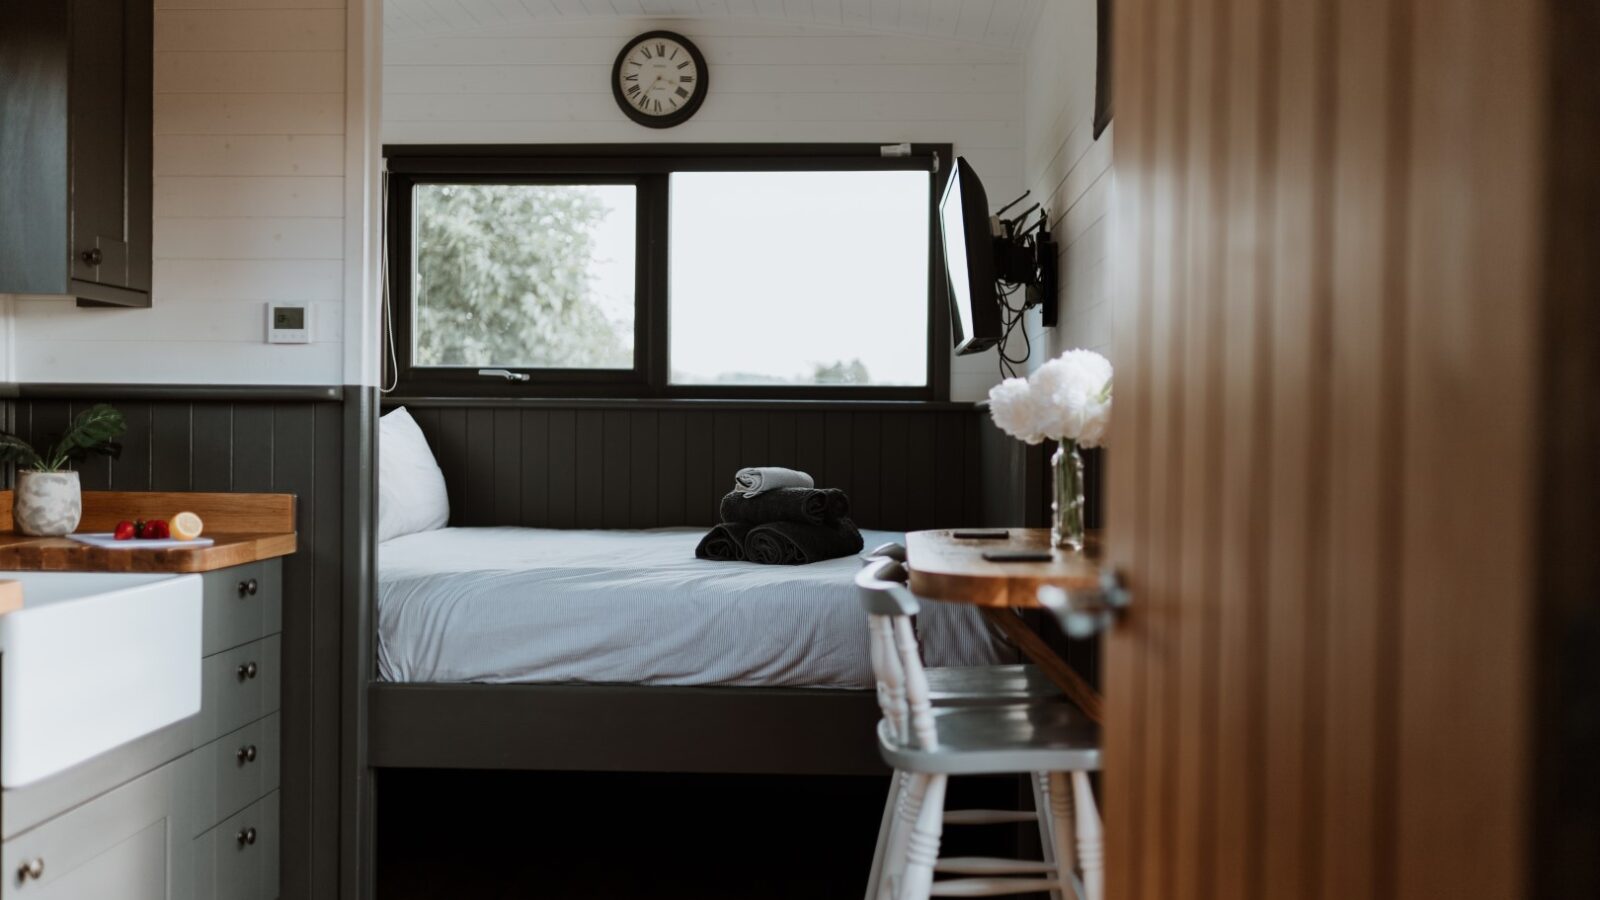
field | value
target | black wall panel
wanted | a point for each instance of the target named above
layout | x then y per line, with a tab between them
646	466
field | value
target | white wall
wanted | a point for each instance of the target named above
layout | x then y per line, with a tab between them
250	200
1070	172
549	82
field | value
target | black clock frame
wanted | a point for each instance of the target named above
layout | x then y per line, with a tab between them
703	73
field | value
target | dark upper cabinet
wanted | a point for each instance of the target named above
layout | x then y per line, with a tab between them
76	83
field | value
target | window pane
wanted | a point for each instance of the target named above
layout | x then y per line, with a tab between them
524	276
799	278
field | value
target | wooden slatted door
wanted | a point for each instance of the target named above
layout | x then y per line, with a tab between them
1320	480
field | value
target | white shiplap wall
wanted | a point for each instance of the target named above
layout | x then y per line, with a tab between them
548	81
1070	172
250	158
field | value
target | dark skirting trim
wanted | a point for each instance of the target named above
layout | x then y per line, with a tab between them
625	728
679	404
194	393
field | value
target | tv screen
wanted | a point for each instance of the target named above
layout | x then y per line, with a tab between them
969	261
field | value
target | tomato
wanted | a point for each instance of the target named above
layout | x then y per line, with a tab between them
125	531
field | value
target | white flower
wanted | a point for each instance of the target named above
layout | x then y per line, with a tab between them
1013	407
1067	398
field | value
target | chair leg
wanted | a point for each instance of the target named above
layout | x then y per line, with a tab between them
1047	839
1063	828
908	805
1091	849
923	847
890	803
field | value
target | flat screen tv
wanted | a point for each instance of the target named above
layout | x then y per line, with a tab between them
969	261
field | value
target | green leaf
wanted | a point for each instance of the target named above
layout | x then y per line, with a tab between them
95	430
16	450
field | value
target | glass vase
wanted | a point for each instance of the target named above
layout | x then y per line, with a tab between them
1066	509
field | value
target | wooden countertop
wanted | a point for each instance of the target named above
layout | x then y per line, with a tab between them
245	527
944	567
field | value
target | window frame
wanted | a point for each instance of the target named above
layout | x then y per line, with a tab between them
649	167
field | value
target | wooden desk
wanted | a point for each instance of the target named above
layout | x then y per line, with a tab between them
953	570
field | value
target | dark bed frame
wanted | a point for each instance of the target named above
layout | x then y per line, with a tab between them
537	463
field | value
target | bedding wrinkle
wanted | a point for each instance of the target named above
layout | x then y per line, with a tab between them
525	605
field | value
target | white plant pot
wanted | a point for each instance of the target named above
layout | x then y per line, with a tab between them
47	504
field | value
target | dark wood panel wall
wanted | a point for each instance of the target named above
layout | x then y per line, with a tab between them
639	466
295	447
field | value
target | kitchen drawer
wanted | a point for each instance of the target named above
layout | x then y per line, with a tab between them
239	686
238	859
120	844
242	604
235	771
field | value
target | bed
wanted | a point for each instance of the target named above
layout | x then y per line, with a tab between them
561	622
539	605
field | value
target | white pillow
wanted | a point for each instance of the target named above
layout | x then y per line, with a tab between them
411	492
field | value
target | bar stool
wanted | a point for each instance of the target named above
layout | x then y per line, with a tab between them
973	686
1050	741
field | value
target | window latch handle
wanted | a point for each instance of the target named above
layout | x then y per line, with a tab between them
507	374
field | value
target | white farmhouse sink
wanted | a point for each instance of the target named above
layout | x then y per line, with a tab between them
92	661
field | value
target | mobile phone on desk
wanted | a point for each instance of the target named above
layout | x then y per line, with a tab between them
1018	555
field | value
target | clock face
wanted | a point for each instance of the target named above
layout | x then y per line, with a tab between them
659	79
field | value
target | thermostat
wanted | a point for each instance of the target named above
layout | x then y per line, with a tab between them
288	324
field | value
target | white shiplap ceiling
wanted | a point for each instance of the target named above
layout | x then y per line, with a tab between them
996	23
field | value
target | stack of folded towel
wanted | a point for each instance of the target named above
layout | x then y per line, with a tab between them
778	516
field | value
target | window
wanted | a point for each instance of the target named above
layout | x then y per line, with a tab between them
663	272
807	287
555	290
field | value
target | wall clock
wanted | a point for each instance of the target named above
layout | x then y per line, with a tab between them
659	79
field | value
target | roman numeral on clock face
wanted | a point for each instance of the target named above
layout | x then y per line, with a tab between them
633	90
686	79
681	92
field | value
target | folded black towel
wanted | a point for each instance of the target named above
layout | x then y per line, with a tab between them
795	543
814	506
724	543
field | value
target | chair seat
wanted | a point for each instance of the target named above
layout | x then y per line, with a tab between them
956	685
1020	737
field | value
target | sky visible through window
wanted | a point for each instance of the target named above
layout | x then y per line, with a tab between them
799	277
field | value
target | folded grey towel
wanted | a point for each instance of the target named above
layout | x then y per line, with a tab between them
752	481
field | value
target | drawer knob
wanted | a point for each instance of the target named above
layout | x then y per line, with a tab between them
92	257
248	588
32	869
247	754
247	671
246	836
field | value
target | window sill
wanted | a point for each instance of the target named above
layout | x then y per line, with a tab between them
676	403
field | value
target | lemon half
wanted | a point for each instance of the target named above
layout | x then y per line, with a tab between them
186	526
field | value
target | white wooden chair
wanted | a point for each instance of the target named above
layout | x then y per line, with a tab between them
925	744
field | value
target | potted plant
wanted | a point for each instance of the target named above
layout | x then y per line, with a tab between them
48	500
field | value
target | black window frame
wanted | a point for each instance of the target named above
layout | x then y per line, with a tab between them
649	168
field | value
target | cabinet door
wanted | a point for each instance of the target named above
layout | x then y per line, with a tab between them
98	109
109	107
118	845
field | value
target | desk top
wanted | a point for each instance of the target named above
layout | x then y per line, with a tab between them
944	567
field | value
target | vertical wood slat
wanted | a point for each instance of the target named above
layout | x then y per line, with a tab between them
1473	283
1194	553
613	487
536	467
1246	381
507	467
